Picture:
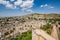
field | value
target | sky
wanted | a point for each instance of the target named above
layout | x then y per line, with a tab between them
22	7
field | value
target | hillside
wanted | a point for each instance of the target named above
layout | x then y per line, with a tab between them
10	25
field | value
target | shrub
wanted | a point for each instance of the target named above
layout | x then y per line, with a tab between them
6	33
47	28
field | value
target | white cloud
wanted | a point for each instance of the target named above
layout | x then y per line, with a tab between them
51	7
23	5
12	0
18	2
27	4
29	10
46	6
11	6
42	6
7	4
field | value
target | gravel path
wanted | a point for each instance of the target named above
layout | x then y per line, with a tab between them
54	32
41	33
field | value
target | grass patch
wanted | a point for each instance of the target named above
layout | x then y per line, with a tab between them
24	36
